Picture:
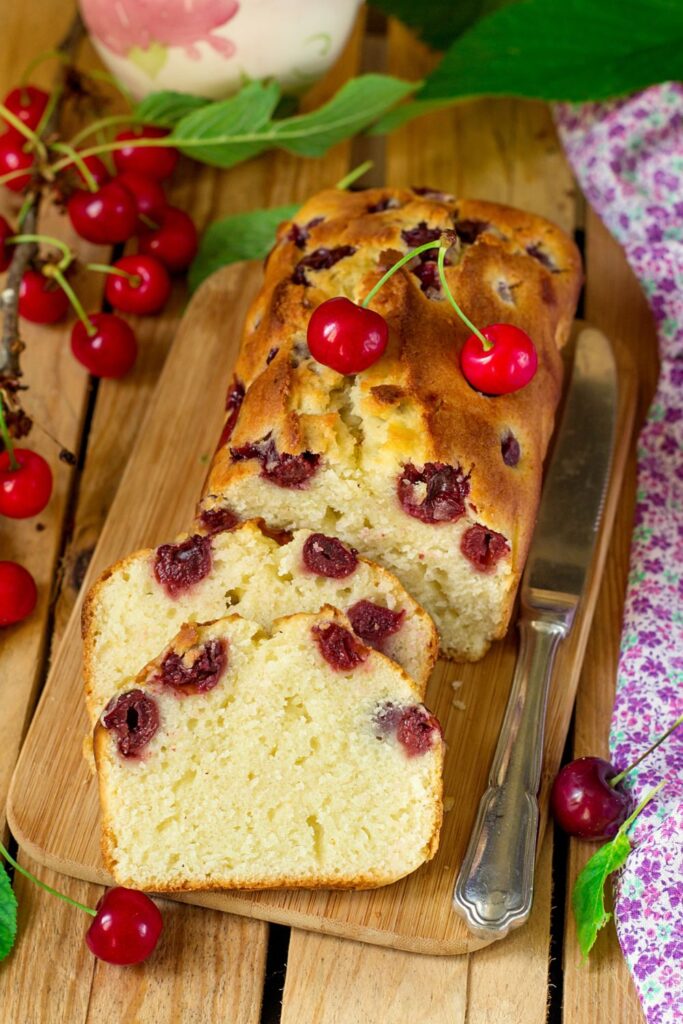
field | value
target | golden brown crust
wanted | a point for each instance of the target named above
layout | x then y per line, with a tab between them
512	267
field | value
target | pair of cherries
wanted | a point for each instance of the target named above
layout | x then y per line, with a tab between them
349	338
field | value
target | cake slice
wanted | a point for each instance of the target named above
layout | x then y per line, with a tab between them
137	606
239	759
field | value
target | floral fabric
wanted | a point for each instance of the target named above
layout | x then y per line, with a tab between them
628	157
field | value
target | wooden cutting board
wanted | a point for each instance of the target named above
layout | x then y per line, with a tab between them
53	807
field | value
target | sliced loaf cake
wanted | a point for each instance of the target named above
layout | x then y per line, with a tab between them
138	605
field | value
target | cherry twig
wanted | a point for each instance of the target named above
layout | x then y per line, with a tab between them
10	343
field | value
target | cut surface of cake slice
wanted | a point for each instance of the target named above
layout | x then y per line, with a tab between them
240	759
138	605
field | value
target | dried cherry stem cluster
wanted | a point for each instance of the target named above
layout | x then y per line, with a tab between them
10	342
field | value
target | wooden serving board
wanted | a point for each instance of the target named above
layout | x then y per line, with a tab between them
53	807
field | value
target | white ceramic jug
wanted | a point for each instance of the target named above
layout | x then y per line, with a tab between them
210	47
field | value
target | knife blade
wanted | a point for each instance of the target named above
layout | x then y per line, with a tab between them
494	888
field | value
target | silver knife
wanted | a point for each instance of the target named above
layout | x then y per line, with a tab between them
494	888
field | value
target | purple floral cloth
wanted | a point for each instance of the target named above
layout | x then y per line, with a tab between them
628	157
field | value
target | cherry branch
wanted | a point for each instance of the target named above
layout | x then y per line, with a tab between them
10	342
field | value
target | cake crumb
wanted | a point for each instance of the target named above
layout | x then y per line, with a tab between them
459	704
457	683
448	802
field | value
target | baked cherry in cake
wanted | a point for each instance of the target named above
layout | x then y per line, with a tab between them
327	556
415	728
233	404
483	547
134	719
373	622
280	468
320	259
177	567
207	666
216	520
339	647
435	494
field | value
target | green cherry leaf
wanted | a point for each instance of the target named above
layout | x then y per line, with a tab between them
439	22
225	132
167	108
8	915
588	896
563	50
244	236
229	131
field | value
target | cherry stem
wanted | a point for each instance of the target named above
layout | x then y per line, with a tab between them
148	221
95	126
397	266
77	159
104	268
40	59
48	888
22	128
622	775
7	440
143	141
442	275
72	297
354	175
11	175
55	97
24	210
57	243
449	295
624	827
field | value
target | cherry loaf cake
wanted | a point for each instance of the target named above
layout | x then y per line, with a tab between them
243	759
138	605
405	461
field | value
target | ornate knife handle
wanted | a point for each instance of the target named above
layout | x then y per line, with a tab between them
494	889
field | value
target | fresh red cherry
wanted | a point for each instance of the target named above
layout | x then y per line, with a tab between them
145	290
6	251
41	300
153	161
506	367
27	103
583	802
25	490
13	157
345	336
147	192
18	594
111	351
126	929
173	241
106	216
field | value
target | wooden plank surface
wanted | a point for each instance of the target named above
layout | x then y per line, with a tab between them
425	897
616	302
189	980
54	811
499	985
505	151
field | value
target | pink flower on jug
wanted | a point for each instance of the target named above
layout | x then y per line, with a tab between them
123	25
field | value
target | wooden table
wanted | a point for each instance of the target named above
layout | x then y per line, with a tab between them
213	967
